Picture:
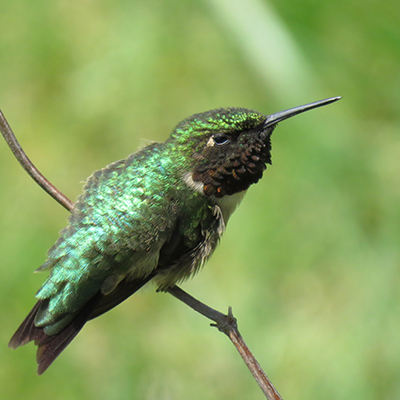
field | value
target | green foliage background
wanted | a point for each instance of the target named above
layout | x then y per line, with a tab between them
310	261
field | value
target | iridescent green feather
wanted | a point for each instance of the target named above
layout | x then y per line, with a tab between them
118	225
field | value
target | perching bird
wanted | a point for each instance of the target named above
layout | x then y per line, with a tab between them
155	216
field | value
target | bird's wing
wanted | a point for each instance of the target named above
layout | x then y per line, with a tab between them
117	228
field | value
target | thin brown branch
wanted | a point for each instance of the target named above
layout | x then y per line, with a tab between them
30	167
225	323
228	325
255	368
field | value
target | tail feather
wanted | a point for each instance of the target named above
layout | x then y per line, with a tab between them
27	331
50	346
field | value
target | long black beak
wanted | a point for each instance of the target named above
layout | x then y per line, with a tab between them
280	116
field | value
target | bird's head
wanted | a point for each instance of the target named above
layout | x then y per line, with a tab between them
227	149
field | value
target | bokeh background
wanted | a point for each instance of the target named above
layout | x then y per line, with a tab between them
310	261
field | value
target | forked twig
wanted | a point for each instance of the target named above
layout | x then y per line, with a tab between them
225	323
228	325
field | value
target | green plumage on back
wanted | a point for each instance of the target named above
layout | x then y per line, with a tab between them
126	213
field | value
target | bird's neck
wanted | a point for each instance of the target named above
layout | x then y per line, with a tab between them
227	203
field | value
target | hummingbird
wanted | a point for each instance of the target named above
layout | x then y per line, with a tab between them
156	215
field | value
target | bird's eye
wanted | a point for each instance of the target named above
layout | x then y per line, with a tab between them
221	139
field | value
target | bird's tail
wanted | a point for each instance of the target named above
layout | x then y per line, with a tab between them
51	346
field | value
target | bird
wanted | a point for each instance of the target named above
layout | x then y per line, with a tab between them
156	215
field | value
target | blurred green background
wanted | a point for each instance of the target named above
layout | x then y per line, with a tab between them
310	262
